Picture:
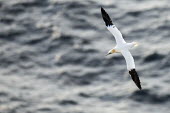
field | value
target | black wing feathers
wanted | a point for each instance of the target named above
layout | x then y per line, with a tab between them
135	78
132	72
106	17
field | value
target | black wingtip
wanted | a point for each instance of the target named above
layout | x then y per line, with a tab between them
135	78
106	17
102	9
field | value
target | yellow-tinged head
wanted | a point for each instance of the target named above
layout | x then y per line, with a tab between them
112	51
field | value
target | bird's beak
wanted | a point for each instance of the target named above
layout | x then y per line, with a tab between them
108	54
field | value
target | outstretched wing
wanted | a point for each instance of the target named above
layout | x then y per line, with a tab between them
112	28
129	59
131	67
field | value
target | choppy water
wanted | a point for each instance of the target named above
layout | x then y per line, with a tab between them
52	57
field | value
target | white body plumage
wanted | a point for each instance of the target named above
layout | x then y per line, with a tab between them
122	47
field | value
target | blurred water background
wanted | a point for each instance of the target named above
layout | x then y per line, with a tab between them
52	56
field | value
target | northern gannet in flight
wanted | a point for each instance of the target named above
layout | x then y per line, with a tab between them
122	47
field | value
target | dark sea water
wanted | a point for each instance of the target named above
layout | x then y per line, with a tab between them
52	56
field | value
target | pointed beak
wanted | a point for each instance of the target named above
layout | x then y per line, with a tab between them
108	54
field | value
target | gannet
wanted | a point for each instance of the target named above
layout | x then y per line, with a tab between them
122	47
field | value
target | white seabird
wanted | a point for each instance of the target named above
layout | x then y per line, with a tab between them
122	47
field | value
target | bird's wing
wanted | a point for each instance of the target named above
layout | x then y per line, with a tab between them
112	28
129	59
131	67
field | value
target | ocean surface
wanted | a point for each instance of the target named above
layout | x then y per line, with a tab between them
52	56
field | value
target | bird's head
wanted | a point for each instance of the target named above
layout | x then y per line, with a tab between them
112	51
